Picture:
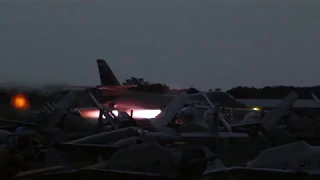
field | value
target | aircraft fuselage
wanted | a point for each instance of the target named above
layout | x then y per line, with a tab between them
145	100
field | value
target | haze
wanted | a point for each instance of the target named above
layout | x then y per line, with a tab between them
218	44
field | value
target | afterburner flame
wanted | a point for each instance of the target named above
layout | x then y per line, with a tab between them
145	113
137	114
20	102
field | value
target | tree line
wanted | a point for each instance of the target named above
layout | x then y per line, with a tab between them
273	92
146	86
268	92
241	92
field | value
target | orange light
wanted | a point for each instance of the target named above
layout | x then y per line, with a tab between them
20	102
179	122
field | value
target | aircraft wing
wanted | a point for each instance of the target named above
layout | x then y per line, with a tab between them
105	173
36	172
119	87
210	135
8	127
87	148
18	122
116	174
246	124
244	172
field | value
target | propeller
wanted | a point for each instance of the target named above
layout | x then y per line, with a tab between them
104	111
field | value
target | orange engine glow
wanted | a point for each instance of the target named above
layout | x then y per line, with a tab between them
137	114
20	102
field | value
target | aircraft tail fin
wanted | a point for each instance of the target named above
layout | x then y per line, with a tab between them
315	98
269	121
33	174
54	158
272	118
62	106
107	77
166	115
99	159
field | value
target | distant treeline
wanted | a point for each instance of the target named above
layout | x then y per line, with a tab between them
268	92
37	96
273	92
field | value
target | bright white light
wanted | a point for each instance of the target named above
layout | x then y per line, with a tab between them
256	109
115	112
137	113
146	113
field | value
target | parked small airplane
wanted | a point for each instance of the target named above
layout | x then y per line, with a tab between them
298	160
160	162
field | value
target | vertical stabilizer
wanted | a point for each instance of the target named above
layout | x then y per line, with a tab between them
315	98
107	77
54	158
168	113
272	118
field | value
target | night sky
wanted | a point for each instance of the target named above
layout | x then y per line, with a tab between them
218	44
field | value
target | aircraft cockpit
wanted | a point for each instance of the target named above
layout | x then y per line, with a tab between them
186	119
187	114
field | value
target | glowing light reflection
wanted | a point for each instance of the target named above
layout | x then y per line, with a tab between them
256	109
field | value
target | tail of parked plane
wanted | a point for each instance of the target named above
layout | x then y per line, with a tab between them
107	77
54	158
315	98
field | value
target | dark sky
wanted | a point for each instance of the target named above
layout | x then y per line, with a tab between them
203	44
